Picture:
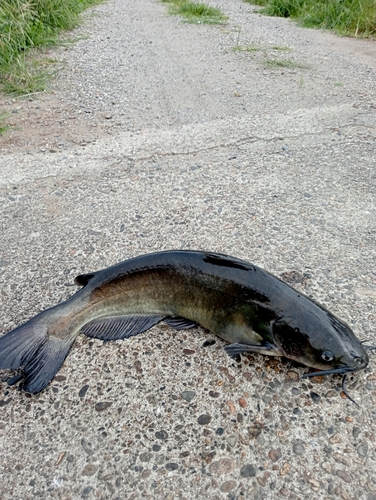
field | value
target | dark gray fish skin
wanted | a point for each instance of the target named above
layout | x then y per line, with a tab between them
240	302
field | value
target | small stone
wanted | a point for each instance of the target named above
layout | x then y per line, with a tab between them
208	343
89	470
232	440
356	432
220	431
188	395
159	459
275	455
342	459
335	439
255	430
343	475
327	467
156	447
285	469
146	456
292	375
315	397
204	419
161	435
247	470
242	403
225	370
227	486
231	407
331	394
263	479
214	394
188	352
103	405
83	391
86	491
298	448
222	466
171	466
315	485
362	449
87	446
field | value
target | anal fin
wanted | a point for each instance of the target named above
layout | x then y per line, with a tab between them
120	327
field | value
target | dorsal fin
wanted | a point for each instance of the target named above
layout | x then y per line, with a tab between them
83	279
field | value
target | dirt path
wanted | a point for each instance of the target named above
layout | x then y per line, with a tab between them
158	135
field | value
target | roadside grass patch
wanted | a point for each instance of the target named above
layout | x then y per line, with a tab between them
345	17
29	24
196	13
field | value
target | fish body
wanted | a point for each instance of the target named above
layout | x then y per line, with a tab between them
243	304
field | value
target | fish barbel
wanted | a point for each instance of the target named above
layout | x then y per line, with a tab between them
243	304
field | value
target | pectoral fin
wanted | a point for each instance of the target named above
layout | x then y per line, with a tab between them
179	323
266	348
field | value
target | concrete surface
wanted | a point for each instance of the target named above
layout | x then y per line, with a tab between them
158	135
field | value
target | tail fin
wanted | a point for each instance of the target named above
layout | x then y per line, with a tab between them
38	354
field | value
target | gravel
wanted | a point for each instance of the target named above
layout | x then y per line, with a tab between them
158	135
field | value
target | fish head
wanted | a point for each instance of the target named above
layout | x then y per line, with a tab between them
320	340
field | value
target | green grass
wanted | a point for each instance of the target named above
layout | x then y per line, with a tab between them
283	63
26	25
257	48
3	122
346	17
197	13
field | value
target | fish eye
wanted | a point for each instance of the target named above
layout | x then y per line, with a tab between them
327	356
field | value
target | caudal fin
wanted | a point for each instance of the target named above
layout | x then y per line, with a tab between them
38	354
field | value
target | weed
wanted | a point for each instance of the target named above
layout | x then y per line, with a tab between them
257	48
28	24
283	63
346	17
27	75
198	13
3	125
246	48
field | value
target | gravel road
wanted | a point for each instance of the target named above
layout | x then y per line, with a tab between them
157	135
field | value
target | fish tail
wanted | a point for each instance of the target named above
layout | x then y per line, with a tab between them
32	348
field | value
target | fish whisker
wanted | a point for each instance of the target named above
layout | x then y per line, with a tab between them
369	347
336	371
344	389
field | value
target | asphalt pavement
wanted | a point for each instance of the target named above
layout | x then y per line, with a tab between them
255	138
